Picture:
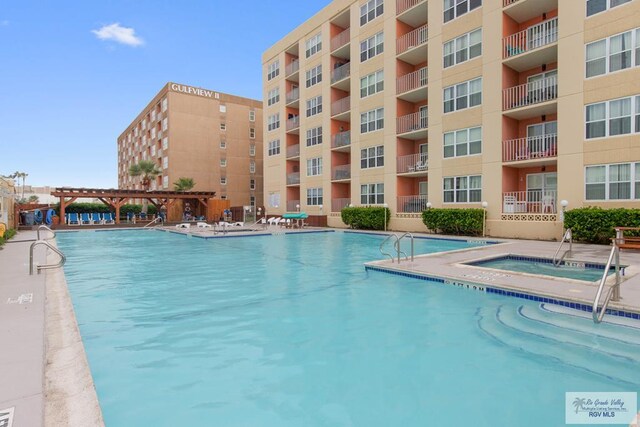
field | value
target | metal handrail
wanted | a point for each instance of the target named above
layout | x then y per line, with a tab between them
614	290
567	236
157	219
385	241
44	227
63	258
410	235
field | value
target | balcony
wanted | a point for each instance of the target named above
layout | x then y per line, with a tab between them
412	87
531	99
533	150
524	10
293	179
531	47
340	44
341	141
291	70
340	109
340	75
530	201
413	126
293	96
413	164
341	173
293	151
412	47
338	204
412	12
412	204
293	205
293	124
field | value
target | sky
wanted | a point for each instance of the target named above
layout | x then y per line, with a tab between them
74	74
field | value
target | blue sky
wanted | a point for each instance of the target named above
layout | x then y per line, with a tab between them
71	80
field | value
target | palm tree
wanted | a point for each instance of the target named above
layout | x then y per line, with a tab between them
18	175
579	403
148	171
184	184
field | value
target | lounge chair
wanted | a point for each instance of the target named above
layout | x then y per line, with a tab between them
96	218
85	218
184	225
107	218
203	225
238	224
73	219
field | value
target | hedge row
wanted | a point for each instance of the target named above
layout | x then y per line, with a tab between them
102	208
366	217
596	225
8	234
454	221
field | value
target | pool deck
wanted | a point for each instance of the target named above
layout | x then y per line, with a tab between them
45	375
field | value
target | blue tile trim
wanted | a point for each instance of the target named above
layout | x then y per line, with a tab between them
405	274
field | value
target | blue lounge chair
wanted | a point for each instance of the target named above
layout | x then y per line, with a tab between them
72	219
107	218
85	219
96	218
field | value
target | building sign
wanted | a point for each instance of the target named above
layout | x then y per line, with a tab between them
190	90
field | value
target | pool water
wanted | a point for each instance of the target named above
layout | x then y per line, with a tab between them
291	330
542	266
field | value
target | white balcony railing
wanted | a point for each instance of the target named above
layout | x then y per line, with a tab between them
293	178
530	93
341	72
533	37
293	123
506	3
340	40
412	122
412	39
338	204
292	67
412	163
341	139
293	151
341	172
411	81
412	204
532	147
403	5
341	106
293	95
530	201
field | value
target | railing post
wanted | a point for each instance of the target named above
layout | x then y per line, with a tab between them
616	287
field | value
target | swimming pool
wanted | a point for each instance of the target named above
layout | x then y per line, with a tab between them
290	330
532	265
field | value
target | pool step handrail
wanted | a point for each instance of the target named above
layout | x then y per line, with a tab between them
409	235
389	237
44	227
63	258
613	294
566	237
155	220
396	247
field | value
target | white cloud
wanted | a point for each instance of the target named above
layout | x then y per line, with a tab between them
118	34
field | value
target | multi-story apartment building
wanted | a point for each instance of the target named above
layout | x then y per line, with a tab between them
512	105
209	136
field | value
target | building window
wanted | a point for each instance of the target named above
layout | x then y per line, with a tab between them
252	133
313	45
223	108
223	180
597	6
372	120
371	10
164	104
314	75
463	48
371	47
614	53
463	142
273	70
252	200
165	143
372	157
314	136
314	106
165	124
274	148
165	182
223	126
372	194
455	8
612	182
252	184
463	95
462	189
372	83
223	163
274	200
273	96
252	166
612	118
273	121
314	196
314	166
165	162
252	150
252	115
223	144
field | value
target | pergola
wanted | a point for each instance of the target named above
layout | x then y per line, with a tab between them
116	198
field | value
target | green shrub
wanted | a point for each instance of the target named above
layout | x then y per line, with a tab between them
102	208
454	221
596	225
8	234
366	217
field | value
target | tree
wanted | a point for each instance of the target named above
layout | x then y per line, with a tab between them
34	199
18	175
147	171
184	184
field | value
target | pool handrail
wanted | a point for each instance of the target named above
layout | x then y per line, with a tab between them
566	237
63	258
44	227
156	219
614	291
410	235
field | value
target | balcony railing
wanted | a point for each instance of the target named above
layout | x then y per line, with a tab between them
412	204
293	205
532	147
340	40
404	5
411	81
413	163
412	39
293	179
293	123
533	37
341	72
293	95
530	93
341	172
530	201
292	67
293	151
506	3
341	139
341	106
412	122
338	204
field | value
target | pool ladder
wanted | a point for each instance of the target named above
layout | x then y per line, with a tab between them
157	219
396	246
44	242
613	294
567	237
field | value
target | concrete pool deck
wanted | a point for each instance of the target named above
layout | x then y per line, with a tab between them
46	379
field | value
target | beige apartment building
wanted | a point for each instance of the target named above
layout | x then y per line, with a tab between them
190	132
522	107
